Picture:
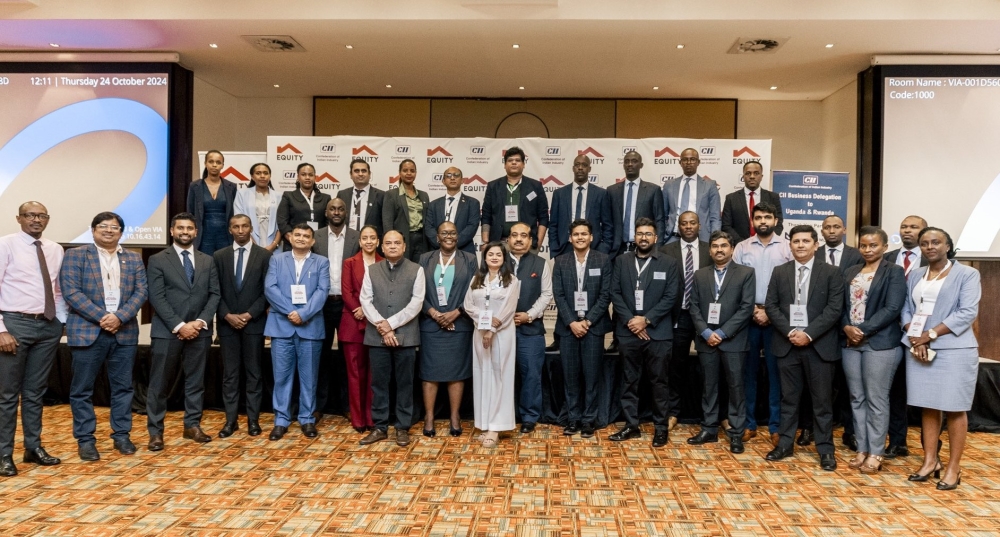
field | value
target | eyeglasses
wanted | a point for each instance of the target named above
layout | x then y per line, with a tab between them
107	227
41	217
644	234
452	176
448	233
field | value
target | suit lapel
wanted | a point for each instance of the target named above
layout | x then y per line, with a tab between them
94	265
175	261
725	282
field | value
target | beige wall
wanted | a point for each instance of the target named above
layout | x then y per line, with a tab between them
214	121
795	128
840	144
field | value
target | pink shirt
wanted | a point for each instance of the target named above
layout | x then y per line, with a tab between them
21	286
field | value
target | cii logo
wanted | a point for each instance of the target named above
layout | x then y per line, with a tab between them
593	178
666	177
811	180
403	150
477	150
233	172
665	156
371	156
291	174
707	151
627	149
289	152
553	151
439	155
328	148
593	155
437	177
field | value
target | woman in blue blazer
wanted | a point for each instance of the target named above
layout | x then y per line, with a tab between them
260	203
943	361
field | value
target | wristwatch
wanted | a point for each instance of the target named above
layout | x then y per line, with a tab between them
647	320
932	334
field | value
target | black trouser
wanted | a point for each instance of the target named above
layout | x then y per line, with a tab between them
897	407
416	245
713	363
242	349
332	375
385	361
25	375
169	354
800	368
582	369
652	360
685	371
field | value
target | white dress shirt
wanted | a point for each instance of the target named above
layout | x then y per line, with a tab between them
838	254
914	258
756	200
694	253
451	209
335	250
407	314
630	226
236	258
21	287
189	250
354	221
111	271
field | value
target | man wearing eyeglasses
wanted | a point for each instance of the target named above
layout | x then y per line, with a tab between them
33	312
463	211
104	285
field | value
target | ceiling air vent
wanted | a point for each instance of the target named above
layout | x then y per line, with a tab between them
744	45
274	43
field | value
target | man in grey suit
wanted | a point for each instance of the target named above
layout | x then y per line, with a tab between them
835	252
691	192
804	302
364	202
335	242
722	300
737	210
184	293
632	199
454	207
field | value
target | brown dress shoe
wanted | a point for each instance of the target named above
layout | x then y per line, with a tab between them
196	434
671	423
377	435
775	438
402	437
749	435
155	442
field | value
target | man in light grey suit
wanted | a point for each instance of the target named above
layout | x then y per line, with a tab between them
184	293
691	192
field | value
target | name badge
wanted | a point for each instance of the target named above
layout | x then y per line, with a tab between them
714	313
580	301
111	300
917	325
531	196
314	225
442	296
299	294
926	308
510	212
638	300
595	272
485	320
799	317
659	275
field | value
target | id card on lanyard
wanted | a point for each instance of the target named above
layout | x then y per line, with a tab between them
485	320
510	210
924	308
580	302
442	296
639	306
299	295
715	309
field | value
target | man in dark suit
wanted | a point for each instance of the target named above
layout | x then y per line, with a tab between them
834	251
737	212
104	286
454	207
581	284
643	290
580	200
335	242
908	257
240	321
632	199
691	192
364	202
804	302
184	293
512	199
722	300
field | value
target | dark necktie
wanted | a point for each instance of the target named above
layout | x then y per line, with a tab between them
579	202
752	204
628	213
50	299
357	208
447	215
833	261
188	266
239	269
688	277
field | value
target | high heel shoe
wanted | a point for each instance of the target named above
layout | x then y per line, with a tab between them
455	432
924	477
429	432
858	462
945	486
872	469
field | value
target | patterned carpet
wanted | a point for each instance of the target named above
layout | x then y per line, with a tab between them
541	484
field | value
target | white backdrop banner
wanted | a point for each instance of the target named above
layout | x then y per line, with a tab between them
237	166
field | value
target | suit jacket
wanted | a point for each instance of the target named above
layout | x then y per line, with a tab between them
659	285
294	209
596	283
352	330
176	300
673	250
957	307
736	220
196	204
563	213
352	242
247	299
396	214
649	204
824	305
465	269
466	220
707	206
849	257
534	211
83	289
315	275
736	301
891	257
246	203
886	296
373	215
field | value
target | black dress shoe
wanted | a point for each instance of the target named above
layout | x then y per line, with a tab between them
736	444
778	453
850	441
898	451
805	437
625	433
553	347
125	447
703	437
613	348
40	457
660	438
587	431
309	430
527	427
155	442
88	452
571	429
7	468
277	432
228	430
253	428
828	462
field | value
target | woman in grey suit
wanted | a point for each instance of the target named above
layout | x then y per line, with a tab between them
873	299
941	367
445	329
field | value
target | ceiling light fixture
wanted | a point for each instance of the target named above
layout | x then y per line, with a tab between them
277	86
829	45
516	45
213	45
388	85
349	46
680	46
520	87
774	87
656	87
54	45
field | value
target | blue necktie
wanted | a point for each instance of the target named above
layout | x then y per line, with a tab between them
628	212
579	202
188	266
239	269
685	197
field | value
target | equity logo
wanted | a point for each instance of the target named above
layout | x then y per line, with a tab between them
745	150
595	157
475	179
371	156
666	151
436	150
394	179
326	176
666	156
233	172
289	152
439	155
738	157
289	147
551	179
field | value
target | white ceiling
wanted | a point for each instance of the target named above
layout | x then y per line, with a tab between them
463	48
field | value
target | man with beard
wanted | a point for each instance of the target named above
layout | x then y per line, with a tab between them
643	290
364	202
514	198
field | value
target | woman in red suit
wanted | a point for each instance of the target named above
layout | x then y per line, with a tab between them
352	331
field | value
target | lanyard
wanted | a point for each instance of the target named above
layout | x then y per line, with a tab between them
309	201
927	283
447	213
298	268
798	285
510	192
581	271
111	268
444	266
719	280
488	287
639	271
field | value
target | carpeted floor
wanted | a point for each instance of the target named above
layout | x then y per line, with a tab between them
539	484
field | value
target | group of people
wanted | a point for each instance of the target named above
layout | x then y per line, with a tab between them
388	272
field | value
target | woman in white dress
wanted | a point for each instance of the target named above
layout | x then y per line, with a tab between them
491	301
261	205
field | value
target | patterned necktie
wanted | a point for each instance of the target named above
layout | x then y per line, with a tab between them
688	276
188	266
50	300
833	260
579	202
239	269
628	213
752	204
357	208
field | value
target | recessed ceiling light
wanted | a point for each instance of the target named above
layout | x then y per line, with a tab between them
680	46
774	87
277	86
54	45
348	46
656	87
829	45
388	85
516	45
520	87
213	45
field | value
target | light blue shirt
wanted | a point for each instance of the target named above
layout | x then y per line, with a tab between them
762	258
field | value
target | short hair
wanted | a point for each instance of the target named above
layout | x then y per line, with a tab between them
689	212
804	228
359	161
581	222
874	230
216	151
107	215
951	243
443	223
304	226
765	207
404	161
716	235
520	223
183	216
918	217
514	151
749	162
643	221
368	226
303	165
240	215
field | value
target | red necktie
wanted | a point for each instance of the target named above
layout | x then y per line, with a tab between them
752	230
906	261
